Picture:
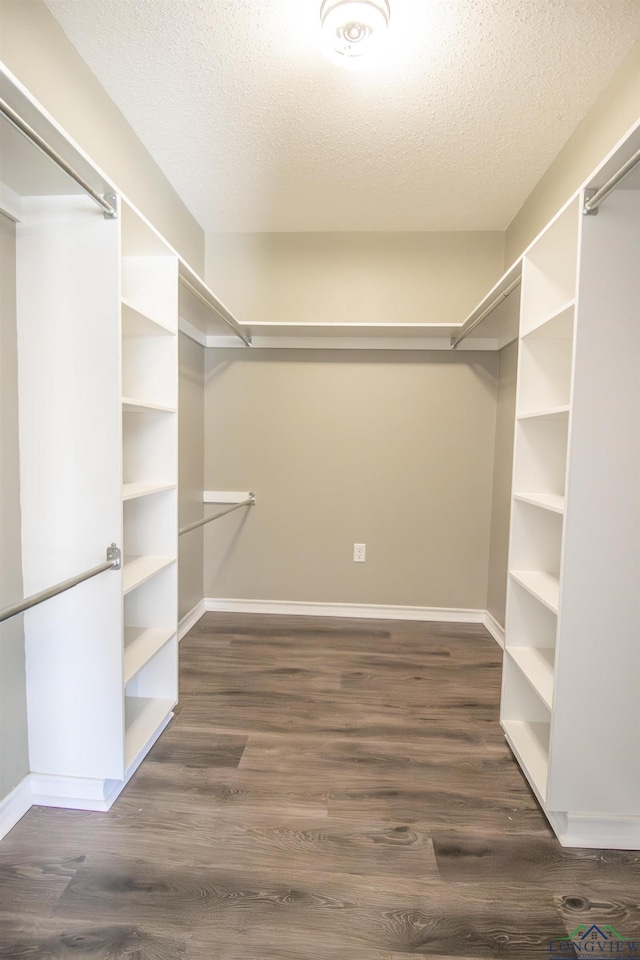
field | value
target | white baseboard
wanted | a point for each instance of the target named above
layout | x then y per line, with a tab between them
190	619
596	832
494	628
14	806
73	793
367	611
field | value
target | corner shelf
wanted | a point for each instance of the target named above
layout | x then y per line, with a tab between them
543	586
137	570
140	645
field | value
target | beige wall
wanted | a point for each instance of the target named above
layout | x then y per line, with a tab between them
191	471
38	52
14	753
354	277
502	470
613	113
394	450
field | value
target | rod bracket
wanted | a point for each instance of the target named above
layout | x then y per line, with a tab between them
454	342
586	211
114	555
252	496
113	200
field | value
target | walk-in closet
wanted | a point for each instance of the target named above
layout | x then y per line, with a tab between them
321	545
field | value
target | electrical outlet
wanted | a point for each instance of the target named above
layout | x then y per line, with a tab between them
359	552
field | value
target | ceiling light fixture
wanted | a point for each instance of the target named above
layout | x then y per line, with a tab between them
353	28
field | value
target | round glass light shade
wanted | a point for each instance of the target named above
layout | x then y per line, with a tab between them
354	28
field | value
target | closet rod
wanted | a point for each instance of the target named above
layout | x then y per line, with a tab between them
27	131
230	322
594	201
216	516
112	563
505	293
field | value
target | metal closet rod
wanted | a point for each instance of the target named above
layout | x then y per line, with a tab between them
592	204
200	523
505	293
27	131
230	323
112	563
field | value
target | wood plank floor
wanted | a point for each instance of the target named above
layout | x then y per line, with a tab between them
328	790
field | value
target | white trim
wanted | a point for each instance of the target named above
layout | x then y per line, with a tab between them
599	832
225	496
14	806
190	619
495	629
74	793
366	611
195	334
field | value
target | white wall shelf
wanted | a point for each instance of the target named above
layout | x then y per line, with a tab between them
144	716
546	501
547	413
558	325
131	405
537	664
137	324
131	491
543	586
573	605
140	645
137	570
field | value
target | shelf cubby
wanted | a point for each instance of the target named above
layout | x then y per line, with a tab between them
149	287
540	461
149	700
137	324
536	539
529	622
150	446
537	663
144	718
150	525
154	603
148	371
526	721
140	645
543	586
550	270
545	364
531	638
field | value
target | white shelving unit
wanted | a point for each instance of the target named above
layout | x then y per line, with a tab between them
571	652
149	365
97	380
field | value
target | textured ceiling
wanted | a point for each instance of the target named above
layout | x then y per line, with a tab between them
257	131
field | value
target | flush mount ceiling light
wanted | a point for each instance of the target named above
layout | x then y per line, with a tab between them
353	28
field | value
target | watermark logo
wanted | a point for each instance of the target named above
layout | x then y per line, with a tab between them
592	940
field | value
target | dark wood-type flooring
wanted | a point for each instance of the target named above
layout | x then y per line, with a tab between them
328	790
